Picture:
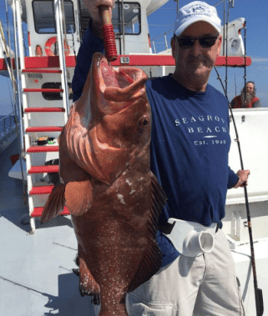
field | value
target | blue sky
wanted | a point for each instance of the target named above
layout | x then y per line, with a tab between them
255	12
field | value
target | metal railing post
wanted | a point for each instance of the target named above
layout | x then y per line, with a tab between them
61	45
21	98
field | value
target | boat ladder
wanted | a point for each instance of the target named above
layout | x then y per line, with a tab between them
33	124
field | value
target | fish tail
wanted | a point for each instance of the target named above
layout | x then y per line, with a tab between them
55	203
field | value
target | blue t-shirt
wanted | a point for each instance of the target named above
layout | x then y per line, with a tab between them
189	146
189	153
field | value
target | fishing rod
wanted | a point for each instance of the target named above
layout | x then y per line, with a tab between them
257	291
108	33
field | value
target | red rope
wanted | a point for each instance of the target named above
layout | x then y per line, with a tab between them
109	42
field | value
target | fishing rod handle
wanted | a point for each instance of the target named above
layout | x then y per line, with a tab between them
108	33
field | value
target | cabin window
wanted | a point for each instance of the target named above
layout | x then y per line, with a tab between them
44	17
128	14
52	96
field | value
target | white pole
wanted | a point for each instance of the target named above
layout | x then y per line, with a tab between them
65	87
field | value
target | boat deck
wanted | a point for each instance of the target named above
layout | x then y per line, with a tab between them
36	275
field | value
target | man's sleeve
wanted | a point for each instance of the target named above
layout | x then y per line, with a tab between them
90	45
232	179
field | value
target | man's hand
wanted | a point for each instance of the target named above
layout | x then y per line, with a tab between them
243	178
92	7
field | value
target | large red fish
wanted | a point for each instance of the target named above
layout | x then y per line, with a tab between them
106	183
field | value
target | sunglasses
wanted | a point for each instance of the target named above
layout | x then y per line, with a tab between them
205	42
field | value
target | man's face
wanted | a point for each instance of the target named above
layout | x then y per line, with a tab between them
195	63
250	88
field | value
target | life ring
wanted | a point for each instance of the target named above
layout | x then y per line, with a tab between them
50	42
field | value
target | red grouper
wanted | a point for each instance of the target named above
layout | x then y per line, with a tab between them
106	182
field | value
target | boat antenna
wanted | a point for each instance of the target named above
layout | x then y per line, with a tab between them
226	33
224	37
177	6
235	84
245	56
258	292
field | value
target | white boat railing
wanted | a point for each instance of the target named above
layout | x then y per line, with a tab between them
61	33
163	39
21	97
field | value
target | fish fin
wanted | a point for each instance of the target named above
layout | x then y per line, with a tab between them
87	283
54	204
151	260
79	196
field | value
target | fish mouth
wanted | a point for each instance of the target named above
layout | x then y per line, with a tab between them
119	85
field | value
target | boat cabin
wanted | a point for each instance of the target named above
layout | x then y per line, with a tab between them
42	27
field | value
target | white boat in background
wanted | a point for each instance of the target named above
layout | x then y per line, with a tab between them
36	269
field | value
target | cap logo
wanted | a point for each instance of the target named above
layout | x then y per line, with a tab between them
198	10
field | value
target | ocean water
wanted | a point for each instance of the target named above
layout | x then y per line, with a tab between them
7	132
7	125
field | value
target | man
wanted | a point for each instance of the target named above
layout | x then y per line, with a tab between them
189	156
247	98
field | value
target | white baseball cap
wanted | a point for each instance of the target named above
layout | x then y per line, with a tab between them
194	12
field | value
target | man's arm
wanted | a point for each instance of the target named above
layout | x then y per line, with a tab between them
93	9
239	179
232	179
243	178
92	43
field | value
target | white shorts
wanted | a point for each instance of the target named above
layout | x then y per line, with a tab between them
202	286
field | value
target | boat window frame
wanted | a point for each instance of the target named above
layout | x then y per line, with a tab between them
119	4
53	17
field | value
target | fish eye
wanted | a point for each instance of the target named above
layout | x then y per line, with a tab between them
143	121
